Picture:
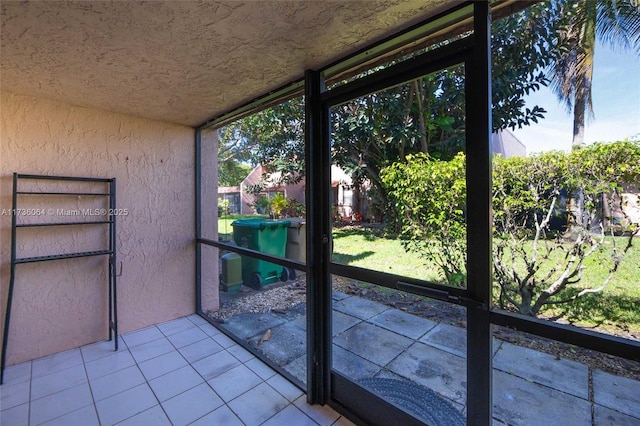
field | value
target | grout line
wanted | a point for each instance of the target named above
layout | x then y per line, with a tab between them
162	335
30	386
591	397
192	367
86	374
146	381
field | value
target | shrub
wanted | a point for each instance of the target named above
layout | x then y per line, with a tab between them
278	203
293	208
429	198
263	205
535	264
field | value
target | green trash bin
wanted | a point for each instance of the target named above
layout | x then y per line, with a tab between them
266	236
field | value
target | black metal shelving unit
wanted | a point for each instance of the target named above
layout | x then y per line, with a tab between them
110	251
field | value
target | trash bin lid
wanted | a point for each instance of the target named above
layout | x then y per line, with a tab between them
277	223
249	223
259	223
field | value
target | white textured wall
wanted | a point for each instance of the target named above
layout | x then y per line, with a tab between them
63	304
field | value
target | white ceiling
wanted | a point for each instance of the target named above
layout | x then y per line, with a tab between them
184	61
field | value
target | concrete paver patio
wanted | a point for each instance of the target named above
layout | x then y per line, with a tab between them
375	340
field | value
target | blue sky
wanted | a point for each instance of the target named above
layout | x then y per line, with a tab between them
616	104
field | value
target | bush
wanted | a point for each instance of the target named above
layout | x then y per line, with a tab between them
535	263
278	203
223	207
293	209
263	205
429	198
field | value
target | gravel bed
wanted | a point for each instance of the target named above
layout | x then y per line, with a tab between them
280	298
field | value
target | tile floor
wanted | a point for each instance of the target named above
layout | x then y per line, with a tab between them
180	372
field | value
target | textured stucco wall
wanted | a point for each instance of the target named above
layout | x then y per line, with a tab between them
63	304
124	55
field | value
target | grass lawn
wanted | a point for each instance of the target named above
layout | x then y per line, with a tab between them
362	247
615	310
618	306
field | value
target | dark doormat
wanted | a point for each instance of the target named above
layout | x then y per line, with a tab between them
418	400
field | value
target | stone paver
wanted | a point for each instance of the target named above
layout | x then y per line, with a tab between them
607	417
351	365
530	387
338	295
448	338
562	374
617	392
249	325
400	322
374	343
436	369
340	322
286	343
517	401
300	322
359	307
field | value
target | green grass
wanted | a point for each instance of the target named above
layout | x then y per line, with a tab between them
618	306
369	248
614	310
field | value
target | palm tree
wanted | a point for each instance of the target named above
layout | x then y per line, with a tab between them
616	22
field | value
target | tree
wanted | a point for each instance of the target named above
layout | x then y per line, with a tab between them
376	130
273	137
535	264
616	22
232	172
236	155
423	115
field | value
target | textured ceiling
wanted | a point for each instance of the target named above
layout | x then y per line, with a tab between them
184	61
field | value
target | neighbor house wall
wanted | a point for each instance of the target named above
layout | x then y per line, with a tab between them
625	211
62	304
247	200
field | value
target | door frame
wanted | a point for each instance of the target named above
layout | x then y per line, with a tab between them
325	385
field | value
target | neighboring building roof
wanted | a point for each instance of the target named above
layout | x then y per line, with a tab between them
507	144
228	189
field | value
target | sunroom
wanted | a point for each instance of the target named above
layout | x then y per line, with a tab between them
129	294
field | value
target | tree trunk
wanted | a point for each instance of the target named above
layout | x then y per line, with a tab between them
579	110
424	146
527	300
356	196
